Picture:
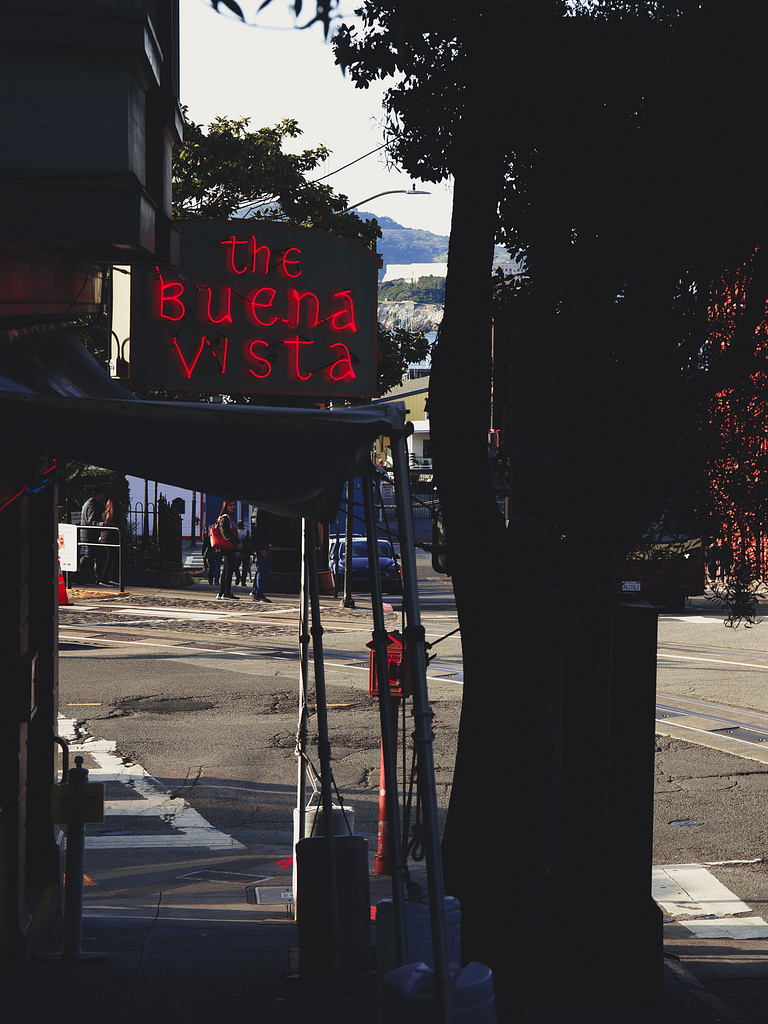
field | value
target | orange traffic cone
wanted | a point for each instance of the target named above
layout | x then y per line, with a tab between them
63	599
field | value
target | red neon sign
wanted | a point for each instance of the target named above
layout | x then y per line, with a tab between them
235	319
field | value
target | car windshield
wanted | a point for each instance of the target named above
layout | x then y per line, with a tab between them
360	549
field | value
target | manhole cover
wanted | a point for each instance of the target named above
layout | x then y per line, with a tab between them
270	896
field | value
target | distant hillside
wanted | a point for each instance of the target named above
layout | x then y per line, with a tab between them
409	245
412	245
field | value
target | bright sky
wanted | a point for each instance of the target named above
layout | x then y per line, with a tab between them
272	71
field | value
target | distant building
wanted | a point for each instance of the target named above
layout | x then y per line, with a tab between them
414	392
91	117
412	272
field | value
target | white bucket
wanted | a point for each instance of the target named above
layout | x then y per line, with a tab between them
418	929
409	995
343	825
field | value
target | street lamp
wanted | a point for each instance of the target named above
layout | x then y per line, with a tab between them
347	600
390	192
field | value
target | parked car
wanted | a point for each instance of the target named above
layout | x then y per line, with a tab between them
665	571
360	575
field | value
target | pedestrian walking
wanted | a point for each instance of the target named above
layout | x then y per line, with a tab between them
226	523
726	560
211	559
713	560
92	514
111	537
262	547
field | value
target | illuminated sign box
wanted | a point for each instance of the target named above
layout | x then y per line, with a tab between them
257	308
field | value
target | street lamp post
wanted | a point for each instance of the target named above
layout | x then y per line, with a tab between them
390	192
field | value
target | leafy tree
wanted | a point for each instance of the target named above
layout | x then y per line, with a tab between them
324	10
595	139
80	483
398	348
229	171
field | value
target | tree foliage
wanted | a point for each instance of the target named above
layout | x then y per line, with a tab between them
232	171
620	147
324	11
398	348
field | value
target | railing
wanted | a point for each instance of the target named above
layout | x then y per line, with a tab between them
422	505
154	537
94	544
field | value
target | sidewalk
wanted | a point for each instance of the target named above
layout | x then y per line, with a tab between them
194	951
187	943
202	951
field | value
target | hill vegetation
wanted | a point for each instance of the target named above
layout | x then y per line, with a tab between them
426	289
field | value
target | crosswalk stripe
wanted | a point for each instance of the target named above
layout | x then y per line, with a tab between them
695	899
152	802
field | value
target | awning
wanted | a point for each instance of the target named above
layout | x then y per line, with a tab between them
55	398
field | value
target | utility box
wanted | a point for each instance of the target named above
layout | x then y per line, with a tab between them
398	667
314	909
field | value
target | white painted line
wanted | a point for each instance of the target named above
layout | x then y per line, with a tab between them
153	801
715	620
189	652
667	723
728	928
166	613
178	646
690	890
711	661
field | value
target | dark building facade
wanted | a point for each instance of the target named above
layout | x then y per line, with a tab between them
90	116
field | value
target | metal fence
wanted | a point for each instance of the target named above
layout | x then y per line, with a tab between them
423	506
153	536
100	555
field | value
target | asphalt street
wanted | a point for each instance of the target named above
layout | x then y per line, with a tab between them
203	700
204	697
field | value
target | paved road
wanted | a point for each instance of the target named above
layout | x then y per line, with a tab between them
192	709
188	708
711	794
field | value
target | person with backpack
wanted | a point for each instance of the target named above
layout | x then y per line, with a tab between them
227	525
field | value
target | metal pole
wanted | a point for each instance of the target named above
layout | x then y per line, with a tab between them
388	727
304	639
192	531
348	601
302	734
73	883
423	736
323	744
73	890
145	530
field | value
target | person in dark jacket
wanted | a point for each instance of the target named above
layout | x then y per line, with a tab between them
228	526
211	559
262	545
92	514
110	535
